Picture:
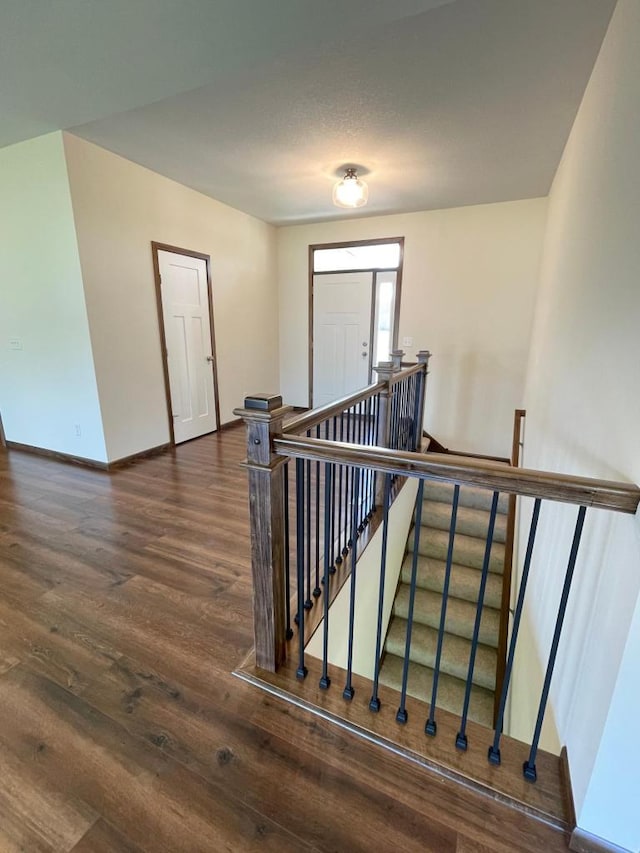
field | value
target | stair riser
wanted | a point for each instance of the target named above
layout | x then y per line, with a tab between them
484	670
461	627
468	552
469	522
463	584
469	497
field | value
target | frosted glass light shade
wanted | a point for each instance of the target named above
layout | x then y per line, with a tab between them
350	191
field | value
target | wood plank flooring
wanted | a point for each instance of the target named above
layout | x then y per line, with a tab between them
125	605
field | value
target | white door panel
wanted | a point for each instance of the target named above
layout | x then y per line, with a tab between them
341	330
185	305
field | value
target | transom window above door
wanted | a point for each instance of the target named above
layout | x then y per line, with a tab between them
370	256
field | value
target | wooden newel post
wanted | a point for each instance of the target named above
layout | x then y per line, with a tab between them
263	415
396	359
423	358
385	370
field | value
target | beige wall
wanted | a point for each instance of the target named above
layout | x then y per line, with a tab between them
119	208
583	417
469	284
48	394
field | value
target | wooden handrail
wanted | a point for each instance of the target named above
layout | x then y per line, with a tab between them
584	491
405	373
308	420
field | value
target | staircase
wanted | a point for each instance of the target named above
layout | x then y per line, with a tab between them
468	555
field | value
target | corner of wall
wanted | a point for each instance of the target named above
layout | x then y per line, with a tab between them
49	396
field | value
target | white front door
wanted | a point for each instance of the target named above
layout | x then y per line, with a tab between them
341	334
187	328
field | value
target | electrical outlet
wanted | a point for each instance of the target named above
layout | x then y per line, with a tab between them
78	430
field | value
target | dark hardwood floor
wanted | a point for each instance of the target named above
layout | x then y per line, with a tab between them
125	605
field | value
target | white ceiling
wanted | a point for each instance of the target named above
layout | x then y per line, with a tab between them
259	102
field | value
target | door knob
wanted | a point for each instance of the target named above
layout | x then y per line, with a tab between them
210	359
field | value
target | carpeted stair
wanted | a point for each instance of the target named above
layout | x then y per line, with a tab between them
468	556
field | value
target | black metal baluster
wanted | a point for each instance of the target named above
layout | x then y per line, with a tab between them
393	400
403	414
348	494
348	475
301	672
316	591
340	478
402	715
364	511
461	739
333	509
359	441
287	551
411	407
374	484
494	750
529	766
350	480
368	472
348	691
417	439
326	436
431	726
411	393
325	681
308	602
374	703
353	441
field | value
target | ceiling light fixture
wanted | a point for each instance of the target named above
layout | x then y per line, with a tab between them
350	191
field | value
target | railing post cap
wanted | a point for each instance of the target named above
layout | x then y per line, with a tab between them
396	359
263	402
384	369
423	356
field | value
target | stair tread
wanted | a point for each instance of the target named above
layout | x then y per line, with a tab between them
450	690
470	496
464	581
455	652
467	550
460	617
469	520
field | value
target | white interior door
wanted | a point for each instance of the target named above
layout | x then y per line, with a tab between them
187	328
341	334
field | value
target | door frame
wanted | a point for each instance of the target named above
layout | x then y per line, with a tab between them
396	309
165	247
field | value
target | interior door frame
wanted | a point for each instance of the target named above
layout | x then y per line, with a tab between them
373	270
165	247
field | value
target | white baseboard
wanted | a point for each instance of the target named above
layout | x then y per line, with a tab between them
585	842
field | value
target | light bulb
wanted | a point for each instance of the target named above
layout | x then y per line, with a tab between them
350	191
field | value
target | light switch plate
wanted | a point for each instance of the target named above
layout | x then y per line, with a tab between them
15	343
407	342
